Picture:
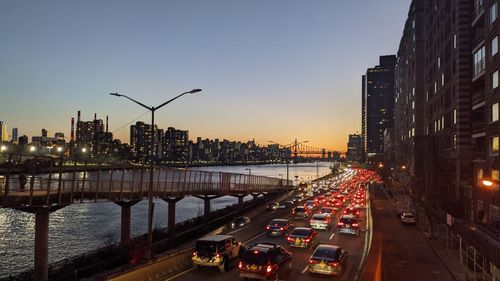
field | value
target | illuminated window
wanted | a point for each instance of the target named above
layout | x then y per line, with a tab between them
454	41
494	46
454	116
494	80
493	12
494	112
494	145
495	174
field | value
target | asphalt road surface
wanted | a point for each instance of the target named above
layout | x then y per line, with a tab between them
355	246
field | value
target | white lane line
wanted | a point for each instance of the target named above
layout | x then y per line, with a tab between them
179	274
254	238
305	269
331	236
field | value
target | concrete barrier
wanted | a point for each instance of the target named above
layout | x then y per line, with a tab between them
159	269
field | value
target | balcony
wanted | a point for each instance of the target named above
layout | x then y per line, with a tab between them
478	128
478	99
478	11
479	68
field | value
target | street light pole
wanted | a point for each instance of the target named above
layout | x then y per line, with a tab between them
249	171
152	146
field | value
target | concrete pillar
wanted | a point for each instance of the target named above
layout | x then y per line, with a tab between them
125	222
171	211
41	244
206	206
240	200
255	195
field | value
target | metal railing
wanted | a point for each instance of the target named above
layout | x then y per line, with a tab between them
66	188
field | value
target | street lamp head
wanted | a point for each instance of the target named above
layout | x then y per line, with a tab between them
487	183
3	148
194	91
115	94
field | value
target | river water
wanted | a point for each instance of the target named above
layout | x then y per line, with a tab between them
80	228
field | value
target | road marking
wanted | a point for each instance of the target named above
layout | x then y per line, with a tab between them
368	238
305	269
331	236
179	274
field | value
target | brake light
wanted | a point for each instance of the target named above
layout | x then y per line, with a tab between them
240	265
195	254
281	228
340	223
217	256
267	227
269	269
335	264
307	240
354	224
313	261
289	238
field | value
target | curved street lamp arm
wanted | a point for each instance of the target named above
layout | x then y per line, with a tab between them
125	96
171	100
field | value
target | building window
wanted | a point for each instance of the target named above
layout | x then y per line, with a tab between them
493	12
494	112
494	145
454	116
454	41
494	213
494	79
479	63
439	62
494	45
495	175
479	175
442	79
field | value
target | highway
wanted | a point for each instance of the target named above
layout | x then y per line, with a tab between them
357	247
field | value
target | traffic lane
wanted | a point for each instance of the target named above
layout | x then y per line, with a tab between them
404	249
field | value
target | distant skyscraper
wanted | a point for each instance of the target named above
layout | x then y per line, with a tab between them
355	148
14	135
378	106
45	133
4	135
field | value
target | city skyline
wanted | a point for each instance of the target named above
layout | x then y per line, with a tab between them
313	93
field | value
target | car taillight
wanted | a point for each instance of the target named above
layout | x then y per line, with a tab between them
307	240
313	261
281	228
340	223
240	265
354	224
269	269
217	256
267	228
289	238
335	264
195	254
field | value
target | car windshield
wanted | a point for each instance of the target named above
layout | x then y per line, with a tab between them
325	253
408	216
278	222
206	246
299	209
326	210
240	220
254	258
301	232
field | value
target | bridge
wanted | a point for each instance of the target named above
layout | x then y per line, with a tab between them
44	194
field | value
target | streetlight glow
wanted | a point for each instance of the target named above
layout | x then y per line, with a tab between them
3	148
487	183
59	149
32	148
84	150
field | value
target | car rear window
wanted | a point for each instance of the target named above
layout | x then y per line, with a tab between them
326	210
254	257
348	220
206	247
325	253
301	232
278	222
299	209
318	217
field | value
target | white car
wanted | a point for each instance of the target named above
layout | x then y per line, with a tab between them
408	218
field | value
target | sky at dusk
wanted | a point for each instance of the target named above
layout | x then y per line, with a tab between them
270	70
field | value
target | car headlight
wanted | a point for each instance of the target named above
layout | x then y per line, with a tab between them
232	225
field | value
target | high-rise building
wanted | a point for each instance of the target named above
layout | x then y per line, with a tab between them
355	148
485	90
14	135
175	145
378	106
45	133
140	139
4	135
409	101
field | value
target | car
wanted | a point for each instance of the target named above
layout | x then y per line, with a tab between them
298	198
348	224
285	204
328	260
264	261
320	221
303	237
278	227
310	204
408	218
352	211
215	251
320	200
300	212
239	222
327	210
273	206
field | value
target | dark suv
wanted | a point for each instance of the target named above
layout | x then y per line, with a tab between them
278	227
217	250
264	261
